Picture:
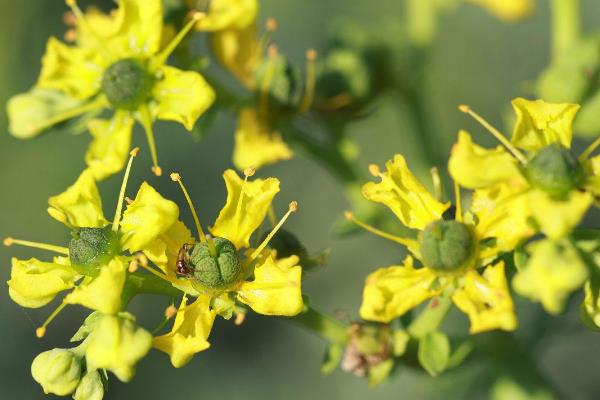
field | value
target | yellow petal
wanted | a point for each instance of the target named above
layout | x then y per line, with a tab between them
116	343
29	113
80	205
182	96
507	10
147	217
540	124
102	293
229	14
34	283
109	150
592	183
70	70
276	288
189	333
242	214
557	218
486	300
591	307
390	292
256	143
473	166
405	195
239	51
140	28
553	271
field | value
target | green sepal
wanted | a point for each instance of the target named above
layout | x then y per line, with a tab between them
434	352
332	358
379	373
87	327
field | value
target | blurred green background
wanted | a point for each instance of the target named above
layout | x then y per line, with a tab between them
476	60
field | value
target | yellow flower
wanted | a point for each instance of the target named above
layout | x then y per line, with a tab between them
507	10
552	185
451	251
553	271
116	63
224	269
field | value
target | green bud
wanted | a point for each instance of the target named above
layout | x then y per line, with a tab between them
282	81
555	170
286	244
126	84
92	247
58	371
216	271
446	246
90	387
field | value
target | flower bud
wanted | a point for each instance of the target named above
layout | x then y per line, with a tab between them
215	271
446	246
58	371
90	387
281	81
92	247
555	170
126	84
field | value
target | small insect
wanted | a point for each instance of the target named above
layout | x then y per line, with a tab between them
182	267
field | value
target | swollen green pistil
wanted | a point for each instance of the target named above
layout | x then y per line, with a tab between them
555	170
90	248
127	84
214	271
446	246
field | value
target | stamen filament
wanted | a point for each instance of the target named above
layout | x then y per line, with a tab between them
589	150
9	241
121	199
403	241
292	209
497	134
248	172
271	26
437	183
309	89
266	84
169	48
100	102
146	120
175	177
153	271
41	331
458	214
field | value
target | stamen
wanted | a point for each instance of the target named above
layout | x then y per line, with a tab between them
154	272
175	177
374	170
403	241
248	172
309	88
497	134
69	18
41	331
293	207
170	311
458	214
97	104
70	36
9	241
266	84
133	266
437	183
270	27
120	200
589	150
146	120
169	48
239	319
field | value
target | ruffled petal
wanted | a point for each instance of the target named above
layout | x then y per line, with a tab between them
276	288
244	210
79	206
486	300
140	28
146	218
540	124
405	195
256	144
553	271
34	283
117	343
182	96
390	292
557	218
507	10
229	14
108	151
102	293
189	333
473	166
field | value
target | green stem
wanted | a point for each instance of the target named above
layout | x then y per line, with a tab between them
146	283
565	26
431	318
327	328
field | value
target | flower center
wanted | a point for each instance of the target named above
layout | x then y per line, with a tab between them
216	271
446	246
92	247
126	84
555	170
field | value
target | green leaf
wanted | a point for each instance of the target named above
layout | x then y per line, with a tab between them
434	352
332	358
400	340
379	373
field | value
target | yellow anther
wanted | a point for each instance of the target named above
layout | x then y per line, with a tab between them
69	18
249	172
133	266
293	206
464	108
374	170
348	215
134	152
170	312
239	319
271	24
157	170
272	51
175	177
311	54
8	241
128	200
70	35
40	332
